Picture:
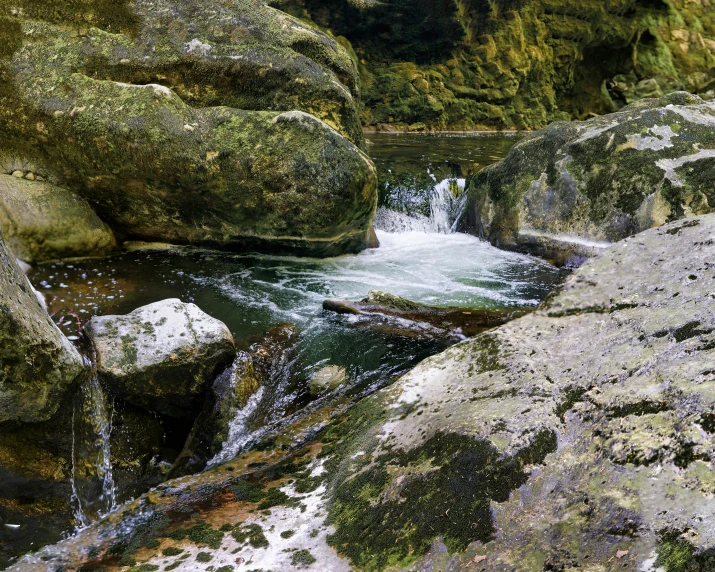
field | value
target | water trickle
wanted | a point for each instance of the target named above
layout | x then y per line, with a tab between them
447	202
93	489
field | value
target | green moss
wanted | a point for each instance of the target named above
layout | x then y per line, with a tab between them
302	559
204	557
144	568
251	533
172	551
377	529
226	568
287	533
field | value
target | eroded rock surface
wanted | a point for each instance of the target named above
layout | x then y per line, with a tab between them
43	222
162	355
571	188
577	437
38	364
224	123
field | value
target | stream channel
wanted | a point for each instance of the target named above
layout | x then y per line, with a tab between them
422	180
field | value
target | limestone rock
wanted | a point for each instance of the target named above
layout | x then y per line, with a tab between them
326	379
38	364
44	222
574	187
223	123
162	355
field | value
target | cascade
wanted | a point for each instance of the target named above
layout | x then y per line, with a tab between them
93	489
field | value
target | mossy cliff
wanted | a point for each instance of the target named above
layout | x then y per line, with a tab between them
518	64
225	123
579	437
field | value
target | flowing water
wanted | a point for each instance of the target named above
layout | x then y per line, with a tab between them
419	258
93	490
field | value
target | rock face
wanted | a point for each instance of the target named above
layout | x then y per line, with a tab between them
577	437
222	123
38	364
162	355
574	186
465	64
44	222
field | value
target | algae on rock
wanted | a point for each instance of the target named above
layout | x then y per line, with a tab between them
570	188
473	64
225	123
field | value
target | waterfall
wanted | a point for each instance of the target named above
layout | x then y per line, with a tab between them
447	202
239	432
93	490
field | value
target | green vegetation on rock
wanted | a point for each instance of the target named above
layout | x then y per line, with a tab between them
519	64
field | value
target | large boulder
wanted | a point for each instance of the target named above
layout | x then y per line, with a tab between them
579	437
574	187
224	123
44	222
38	364
161	356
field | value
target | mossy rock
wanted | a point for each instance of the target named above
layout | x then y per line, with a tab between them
226	124
38	364
161	356
43	222
584	183
473	64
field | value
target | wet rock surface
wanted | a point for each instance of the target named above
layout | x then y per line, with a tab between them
390	313
227	124
229	393
161	356
577	437
572	188
38	364
43	222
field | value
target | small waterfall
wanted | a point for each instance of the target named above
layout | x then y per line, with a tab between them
239	432
93	489
447	202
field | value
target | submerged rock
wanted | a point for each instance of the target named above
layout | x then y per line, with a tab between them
326	379
161	356
577	437
38	364
44	222
572	188
397	315
220	123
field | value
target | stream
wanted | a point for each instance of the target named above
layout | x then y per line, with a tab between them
420	258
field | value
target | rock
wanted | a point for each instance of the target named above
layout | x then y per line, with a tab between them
161	356
218	123
574	187
397	315
44	222
327	379
472	64
577	437
38	364
259	367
